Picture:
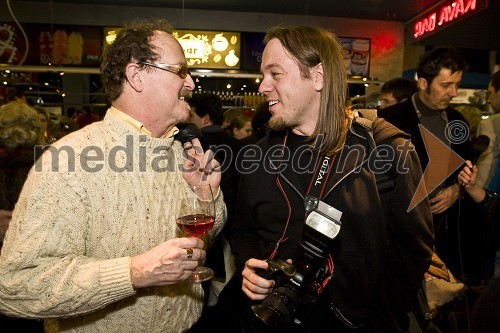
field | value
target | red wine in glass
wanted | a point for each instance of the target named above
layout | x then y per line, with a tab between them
196	216
195	225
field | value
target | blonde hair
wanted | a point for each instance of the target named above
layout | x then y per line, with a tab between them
19	125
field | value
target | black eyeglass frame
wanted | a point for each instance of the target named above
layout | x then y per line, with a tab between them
181	70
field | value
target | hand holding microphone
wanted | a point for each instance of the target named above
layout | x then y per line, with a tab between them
479	145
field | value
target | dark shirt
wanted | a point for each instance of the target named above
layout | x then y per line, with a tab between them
14	168
226	149
86	119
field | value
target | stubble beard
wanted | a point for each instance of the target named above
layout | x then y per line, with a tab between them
426	98
277	124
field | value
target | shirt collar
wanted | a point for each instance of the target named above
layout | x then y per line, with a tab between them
137	125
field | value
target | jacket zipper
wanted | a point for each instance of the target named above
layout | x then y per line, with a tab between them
343	319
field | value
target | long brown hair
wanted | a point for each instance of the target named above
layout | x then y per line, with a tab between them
310	46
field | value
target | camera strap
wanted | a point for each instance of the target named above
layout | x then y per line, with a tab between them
313	195
318	182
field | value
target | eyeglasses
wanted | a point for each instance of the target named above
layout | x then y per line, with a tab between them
179	70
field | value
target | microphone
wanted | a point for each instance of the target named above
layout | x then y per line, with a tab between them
479	145
188	132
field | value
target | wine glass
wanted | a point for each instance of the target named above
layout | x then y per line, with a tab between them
196	216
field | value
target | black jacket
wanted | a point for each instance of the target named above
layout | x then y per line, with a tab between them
379	258
404	116
446	225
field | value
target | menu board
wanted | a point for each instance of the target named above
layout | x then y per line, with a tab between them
210	49
203	49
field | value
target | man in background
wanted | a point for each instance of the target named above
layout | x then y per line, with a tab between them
86	117
439	75
207	114
16	94
222	291
489	163
396	91
488	174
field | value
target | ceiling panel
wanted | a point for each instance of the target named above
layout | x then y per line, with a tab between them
481	31
393	10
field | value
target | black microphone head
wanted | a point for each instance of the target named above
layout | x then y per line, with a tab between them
187	132
479	144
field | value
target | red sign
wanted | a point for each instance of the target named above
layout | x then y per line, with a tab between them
443	15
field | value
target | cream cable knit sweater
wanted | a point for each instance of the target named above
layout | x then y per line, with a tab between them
67	249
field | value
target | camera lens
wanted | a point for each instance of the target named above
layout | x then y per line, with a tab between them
278	309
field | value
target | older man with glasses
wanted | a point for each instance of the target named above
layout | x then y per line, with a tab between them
93	244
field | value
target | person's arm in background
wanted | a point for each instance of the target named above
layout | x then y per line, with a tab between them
486	199
485	162
445	199
468	178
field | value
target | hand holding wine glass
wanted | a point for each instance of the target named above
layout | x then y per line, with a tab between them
196	216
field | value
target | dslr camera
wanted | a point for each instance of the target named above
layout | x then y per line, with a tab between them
299	285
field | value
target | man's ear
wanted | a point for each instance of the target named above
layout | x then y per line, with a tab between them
134	76
205	120
422	84
317	76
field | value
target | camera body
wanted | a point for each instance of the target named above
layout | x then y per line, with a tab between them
299	285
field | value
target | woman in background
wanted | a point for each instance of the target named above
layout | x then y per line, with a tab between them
229	115
240	127
20	131
259	124
44	136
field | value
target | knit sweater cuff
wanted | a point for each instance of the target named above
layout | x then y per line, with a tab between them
116	281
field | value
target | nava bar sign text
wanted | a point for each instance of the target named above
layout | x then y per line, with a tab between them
444	15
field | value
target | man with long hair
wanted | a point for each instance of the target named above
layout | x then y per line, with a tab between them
310	172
